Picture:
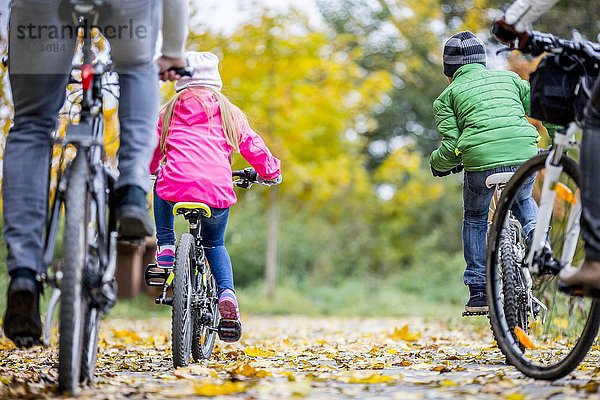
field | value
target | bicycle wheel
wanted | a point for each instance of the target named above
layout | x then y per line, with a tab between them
551	342
73	303
182	318
206	320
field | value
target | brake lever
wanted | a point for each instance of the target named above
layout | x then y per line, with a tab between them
505	49
243	183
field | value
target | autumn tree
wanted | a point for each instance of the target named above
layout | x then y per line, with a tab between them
308	98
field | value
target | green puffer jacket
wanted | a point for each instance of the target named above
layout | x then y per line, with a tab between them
481	117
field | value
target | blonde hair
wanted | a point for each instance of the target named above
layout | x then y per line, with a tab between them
233	119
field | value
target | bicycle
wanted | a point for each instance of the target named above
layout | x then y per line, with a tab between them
84	281
195	315
542	331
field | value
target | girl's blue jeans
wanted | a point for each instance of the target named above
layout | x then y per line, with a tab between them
213	239
476	202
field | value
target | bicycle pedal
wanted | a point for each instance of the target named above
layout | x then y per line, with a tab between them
475	314
155	276
575	291
163	300
230	330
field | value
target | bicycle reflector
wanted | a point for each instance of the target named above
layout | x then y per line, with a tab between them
87	76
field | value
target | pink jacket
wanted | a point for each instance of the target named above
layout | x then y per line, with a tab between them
197	165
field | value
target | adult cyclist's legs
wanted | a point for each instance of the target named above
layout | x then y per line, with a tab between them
39	65
38	75
590	178
132	49
588	276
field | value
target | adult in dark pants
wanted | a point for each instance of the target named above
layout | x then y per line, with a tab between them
513	27
41	48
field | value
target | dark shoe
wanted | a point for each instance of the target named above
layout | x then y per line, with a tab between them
581	281
22	322
477	300
132	213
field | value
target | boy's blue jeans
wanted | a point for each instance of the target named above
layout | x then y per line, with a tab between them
476	203
213	239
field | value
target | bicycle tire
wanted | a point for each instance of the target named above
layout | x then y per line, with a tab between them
73	305
509	280
204	338
89	353
182	318
504	337
92	316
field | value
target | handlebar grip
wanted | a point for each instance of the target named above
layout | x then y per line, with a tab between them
248	174
181	71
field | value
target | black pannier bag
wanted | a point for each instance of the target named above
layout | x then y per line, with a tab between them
560	90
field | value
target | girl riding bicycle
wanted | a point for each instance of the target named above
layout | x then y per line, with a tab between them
199	130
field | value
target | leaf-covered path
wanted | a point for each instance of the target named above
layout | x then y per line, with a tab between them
284	357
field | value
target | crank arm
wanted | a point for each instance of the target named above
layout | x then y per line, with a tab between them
542	306
49	316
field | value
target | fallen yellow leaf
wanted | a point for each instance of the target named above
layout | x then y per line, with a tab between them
448	382
404	334
375	378
127	335
249	371
254	351
524	338
213	389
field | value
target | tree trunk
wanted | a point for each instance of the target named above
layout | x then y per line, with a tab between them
272	242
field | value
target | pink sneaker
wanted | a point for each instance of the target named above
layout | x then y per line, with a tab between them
228	305
165	257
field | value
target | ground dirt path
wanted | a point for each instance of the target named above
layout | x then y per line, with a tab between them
300	357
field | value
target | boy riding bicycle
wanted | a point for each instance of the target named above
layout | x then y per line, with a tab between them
481	116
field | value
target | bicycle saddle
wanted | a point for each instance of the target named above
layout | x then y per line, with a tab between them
67	7
498	179
190	207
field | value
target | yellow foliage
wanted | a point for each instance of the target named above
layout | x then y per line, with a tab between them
301	94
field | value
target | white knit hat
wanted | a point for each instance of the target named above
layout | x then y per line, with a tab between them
205	66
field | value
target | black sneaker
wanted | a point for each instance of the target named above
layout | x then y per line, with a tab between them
132	213
477	300
22	322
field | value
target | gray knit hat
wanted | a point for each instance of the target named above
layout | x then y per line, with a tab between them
462	48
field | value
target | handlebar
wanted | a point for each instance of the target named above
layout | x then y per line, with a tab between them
540	43
248	177
181	71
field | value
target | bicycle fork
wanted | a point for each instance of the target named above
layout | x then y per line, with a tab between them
105	286
547	198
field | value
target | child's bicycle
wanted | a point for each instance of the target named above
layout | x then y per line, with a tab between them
541	330
511	233
195	317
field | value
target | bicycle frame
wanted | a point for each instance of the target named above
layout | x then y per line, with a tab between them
200	267
554	169
88	138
